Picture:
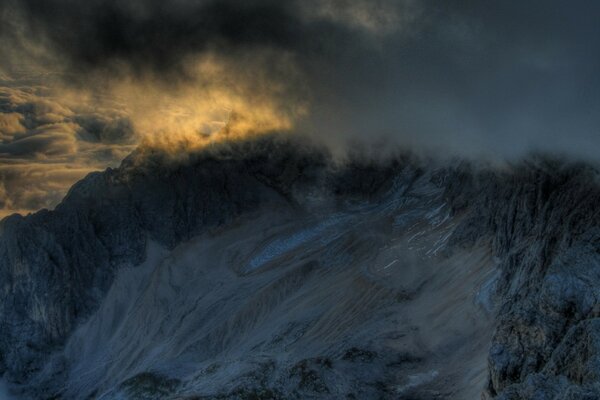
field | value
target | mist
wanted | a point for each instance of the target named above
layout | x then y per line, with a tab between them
85	83
495	80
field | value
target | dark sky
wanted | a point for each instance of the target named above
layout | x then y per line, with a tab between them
491	79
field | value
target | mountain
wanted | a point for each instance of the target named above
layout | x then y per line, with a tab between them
268	269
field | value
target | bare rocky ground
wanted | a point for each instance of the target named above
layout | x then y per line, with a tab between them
266	270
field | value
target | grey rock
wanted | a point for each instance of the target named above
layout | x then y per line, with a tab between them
540	219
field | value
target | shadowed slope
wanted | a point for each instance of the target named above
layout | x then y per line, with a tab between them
288	267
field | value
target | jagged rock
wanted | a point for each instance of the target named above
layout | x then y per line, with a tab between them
538	221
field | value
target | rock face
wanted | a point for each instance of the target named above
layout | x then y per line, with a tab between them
56	266
543	222
269	222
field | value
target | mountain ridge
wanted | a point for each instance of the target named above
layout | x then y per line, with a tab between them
538	219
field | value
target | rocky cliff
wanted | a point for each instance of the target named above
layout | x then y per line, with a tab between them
265	268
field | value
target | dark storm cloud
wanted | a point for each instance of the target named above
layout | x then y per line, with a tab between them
152	34
467	72
500	78
492	78
156	36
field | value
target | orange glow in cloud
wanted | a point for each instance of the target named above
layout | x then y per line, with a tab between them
216	101
56	126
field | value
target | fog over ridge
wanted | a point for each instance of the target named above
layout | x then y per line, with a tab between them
82	84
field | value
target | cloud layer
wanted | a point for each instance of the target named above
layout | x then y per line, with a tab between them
83	82
48	143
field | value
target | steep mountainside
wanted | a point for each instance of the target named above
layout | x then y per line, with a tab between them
265	269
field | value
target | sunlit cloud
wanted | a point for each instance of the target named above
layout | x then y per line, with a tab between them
82	84
53	133
219	98
49	140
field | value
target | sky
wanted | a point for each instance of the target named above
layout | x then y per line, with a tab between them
83	83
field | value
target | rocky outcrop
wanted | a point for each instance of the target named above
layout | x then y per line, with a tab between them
541	219
55	266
